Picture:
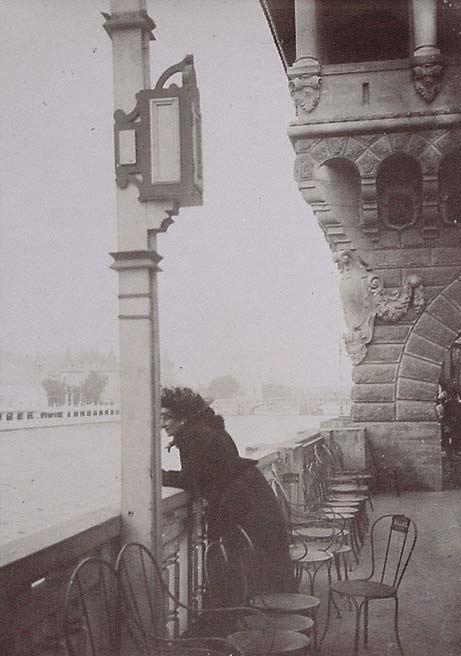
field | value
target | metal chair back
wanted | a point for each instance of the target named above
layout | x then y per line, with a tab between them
92	623
143	595
391	554
283	499
315	484
336	453
226	574
242	569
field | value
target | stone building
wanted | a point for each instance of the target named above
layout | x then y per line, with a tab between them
377	141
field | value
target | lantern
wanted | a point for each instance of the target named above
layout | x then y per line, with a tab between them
158	144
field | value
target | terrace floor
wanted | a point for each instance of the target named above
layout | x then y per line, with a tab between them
430	594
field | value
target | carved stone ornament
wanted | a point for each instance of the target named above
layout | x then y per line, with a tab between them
364	298
399	206
427	77
305	91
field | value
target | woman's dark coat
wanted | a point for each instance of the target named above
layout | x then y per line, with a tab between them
237	494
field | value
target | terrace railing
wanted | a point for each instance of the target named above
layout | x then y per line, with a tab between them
34	570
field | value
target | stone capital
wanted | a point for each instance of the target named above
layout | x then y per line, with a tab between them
141	259
128	21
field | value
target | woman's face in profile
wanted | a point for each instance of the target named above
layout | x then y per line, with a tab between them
168	422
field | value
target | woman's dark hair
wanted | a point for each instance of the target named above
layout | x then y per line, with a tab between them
182	402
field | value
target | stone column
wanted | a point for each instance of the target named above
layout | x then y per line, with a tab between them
304	78
136	261
425	27
307	41
427	61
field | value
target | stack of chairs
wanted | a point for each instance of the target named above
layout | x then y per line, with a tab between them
319	537
349	500
233	566
122	608
342	480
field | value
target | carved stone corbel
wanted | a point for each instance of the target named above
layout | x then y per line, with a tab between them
364	298
427	76
305	91
369	222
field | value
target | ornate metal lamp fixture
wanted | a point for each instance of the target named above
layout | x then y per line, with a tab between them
158	144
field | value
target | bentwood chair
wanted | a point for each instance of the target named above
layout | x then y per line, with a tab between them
145	594
393	539
258	633
351	506
95	621
339	472
92	610
306	555
343	483
273	603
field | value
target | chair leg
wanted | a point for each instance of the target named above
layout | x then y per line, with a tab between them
346	567
370	502
358	610
365	623
327	621
355	549
356	542
396	625
338	566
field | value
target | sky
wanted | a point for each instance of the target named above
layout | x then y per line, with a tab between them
248	286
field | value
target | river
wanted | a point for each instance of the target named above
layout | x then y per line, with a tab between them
50	474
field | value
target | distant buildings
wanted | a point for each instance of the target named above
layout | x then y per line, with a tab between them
22	376
74	369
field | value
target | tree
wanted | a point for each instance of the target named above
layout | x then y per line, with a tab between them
55	391
224	387
92	387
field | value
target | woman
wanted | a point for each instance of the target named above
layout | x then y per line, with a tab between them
236	491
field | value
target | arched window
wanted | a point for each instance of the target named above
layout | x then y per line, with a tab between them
340	182
399	191
363	30
450	188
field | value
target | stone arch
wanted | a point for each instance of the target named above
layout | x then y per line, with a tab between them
338	180
425	349
334	184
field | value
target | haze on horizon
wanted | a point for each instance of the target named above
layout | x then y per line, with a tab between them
248	286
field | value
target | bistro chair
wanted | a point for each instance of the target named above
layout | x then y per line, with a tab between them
388	568
354	485
349	513
273	603
322	527
340	473
92	610
144	592
95	621
350	504
308	555
258	633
